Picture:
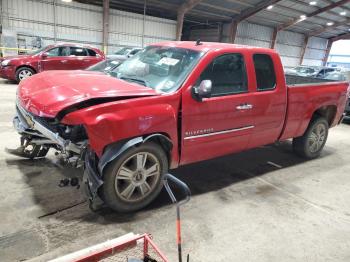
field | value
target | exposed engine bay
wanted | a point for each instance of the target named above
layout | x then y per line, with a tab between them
39	134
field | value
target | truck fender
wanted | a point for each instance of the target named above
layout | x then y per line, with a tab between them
115	150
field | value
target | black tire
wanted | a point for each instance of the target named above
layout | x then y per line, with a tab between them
305	146
110	190
22	70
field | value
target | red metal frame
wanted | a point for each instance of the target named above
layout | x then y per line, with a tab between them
131	242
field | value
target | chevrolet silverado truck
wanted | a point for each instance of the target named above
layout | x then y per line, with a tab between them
171	104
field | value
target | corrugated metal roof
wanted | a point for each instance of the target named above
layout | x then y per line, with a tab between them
212	11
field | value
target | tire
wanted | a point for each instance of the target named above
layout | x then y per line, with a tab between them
129	185
23	72
310	145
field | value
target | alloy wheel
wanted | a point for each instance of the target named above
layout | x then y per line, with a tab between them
317	138
24	74
137	176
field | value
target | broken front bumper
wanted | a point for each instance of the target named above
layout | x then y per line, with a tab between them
26	123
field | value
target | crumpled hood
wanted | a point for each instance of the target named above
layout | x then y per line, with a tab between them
48	93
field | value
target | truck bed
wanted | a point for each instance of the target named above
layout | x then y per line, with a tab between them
305	96
294	80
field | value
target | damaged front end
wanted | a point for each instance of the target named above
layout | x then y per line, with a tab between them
39	134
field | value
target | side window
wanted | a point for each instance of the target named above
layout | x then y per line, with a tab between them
77	51
133	52
64	51
53	52
91	52
227	74
264	72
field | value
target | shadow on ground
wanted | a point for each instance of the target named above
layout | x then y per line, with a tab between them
43	176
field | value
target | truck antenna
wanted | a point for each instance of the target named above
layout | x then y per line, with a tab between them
198	42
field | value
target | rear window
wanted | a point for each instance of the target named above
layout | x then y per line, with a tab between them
77	51
265	72
91	52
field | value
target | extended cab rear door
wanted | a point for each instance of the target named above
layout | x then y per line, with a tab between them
222	123
269	99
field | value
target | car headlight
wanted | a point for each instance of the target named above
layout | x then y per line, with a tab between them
5	62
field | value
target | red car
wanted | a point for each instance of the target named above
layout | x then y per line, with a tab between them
52	57
171	104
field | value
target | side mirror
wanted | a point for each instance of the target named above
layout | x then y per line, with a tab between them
203	90
44	55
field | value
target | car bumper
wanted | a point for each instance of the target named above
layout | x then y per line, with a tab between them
25	123
8	72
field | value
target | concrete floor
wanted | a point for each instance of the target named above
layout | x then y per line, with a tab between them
243	209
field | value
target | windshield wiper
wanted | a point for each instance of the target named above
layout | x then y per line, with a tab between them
136	80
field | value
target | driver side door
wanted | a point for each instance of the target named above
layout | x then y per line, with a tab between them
222	123
57	59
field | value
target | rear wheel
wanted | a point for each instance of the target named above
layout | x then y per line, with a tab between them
134	180
23	73
312	142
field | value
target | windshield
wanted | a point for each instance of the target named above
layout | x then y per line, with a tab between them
158	67
123	51
34	52
104	66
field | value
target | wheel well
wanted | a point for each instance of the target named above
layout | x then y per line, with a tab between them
27	67
328	112
164	141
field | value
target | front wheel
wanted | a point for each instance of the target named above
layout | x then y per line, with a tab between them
23	73
134	179
312	142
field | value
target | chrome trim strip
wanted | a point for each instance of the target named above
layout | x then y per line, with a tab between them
219	132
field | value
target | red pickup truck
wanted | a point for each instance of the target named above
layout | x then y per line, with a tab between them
171	104
52	57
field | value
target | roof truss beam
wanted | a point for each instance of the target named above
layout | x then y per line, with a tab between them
335	25
246	13
317	12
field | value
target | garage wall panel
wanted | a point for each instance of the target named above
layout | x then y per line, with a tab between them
127	29
315	51
82	23
289	45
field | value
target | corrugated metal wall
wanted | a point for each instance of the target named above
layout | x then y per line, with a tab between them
76	22
288	45
315	51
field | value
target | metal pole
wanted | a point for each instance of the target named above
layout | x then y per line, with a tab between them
144	20
105	29
54	22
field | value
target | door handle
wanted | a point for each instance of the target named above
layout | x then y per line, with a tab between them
64	61
244	107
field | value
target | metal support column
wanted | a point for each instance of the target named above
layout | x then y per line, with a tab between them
328	50
143	22
233	31
303	50
105	29
179	25
182	10
274	38
54	21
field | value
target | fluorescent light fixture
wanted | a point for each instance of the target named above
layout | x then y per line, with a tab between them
342	13
330	23
269	7
313	3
